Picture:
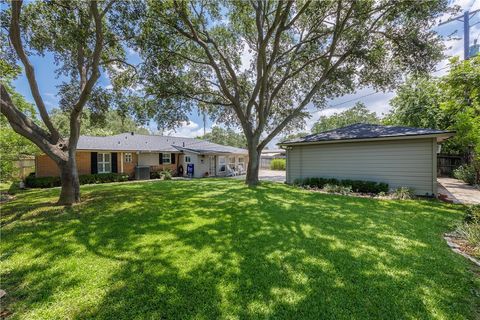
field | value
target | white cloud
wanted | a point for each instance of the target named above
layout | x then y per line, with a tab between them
188	129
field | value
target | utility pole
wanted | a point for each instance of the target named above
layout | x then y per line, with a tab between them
465	18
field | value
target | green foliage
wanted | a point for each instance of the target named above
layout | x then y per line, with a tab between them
451	102
402	193
222	250
333	188
278	164
111	123
466	173
417	104
472	214
356	185
226	137
302	54
357	114
50	182
12	145
166	175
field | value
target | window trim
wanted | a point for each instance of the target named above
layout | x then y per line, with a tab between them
189	159
165	158
130	157
222	165
101	164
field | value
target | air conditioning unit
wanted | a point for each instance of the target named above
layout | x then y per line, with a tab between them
142	172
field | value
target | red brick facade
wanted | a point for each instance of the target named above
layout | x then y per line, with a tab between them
46	167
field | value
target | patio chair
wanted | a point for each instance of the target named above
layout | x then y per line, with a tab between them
231	172
241	170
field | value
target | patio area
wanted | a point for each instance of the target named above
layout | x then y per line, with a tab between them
457	191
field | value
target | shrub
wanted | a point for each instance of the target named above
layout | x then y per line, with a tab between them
155	175
278	164
355	185
166	175
49	182
403	193
334	188
43	182
466	173
472	214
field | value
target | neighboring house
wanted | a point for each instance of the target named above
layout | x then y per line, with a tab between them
128	152
399	156
268	155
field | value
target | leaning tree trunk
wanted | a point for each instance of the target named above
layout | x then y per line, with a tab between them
70	192
253	165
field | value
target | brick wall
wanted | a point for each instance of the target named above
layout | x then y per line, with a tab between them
46	167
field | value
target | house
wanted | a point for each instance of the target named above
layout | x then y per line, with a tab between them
268	155
399	156
131	153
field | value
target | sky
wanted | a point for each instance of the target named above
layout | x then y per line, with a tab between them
378	102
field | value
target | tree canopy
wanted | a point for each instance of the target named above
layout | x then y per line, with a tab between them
227	137
450	102
111	122
356	114
258	64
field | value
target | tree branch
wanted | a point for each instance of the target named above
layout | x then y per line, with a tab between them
16	41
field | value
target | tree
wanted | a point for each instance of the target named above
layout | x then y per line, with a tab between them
299	53
80	36
451	102
292	136
226	137
357	114
417	104
108	124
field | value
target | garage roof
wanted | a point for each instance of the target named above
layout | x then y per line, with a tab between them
362	131
152	143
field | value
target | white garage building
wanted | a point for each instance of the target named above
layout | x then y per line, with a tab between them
399	156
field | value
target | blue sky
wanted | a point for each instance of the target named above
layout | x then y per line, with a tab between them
378	102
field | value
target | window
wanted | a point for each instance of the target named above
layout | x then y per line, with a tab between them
166	158
231	162
104	163
221	161
241	162
128	157
188	159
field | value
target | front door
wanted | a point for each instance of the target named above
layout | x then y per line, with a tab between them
213	168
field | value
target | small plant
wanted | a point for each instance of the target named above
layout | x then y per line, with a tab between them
403	193
166	175
333	188
278	164
466	173
472	214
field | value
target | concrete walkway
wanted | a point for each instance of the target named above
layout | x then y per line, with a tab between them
458	191
268	175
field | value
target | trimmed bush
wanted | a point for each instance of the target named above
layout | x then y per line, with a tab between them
333	188
356	185
278	164
49	182
466	173
166	175
44	182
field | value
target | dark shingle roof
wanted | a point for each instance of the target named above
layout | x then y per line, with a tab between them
151	143
364	131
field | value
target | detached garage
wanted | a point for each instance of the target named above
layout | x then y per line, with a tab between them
399	156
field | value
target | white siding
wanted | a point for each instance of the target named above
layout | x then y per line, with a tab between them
407	163
148	159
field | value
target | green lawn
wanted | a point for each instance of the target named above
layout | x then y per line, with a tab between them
211	248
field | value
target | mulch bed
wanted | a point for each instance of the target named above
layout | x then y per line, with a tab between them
461	246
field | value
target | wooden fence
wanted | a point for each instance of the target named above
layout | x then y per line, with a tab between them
446	164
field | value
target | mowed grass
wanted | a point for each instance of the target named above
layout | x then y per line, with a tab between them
216	249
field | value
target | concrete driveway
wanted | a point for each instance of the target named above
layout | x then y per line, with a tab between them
272	175
268	175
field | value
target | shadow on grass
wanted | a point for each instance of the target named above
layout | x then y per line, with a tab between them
216	249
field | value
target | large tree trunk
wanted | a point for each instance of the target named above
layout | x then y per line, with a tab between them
253	165
70	193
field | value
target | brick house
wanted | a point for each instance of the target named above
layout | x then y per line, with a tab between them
127	152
